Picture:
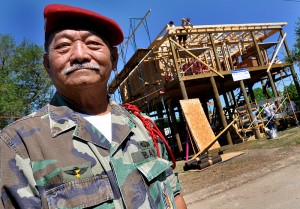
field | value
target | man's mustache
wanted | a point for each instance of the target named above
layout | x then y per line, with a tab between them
81	66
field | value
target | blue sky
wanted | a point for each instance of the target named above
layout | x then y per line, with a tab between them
24	18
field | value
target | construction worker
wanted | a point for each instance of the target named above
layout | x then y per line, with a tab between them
185	23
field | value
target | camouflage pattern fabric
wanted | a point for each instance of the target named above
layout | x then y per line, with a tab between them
54	158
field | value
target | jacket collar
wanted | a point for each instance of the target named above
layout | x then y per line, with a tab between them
62	119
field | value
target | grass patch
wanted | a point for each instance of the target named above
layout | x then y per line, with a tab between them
285	139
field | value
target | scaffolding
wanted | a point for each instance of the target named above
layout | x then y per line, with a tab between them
167	72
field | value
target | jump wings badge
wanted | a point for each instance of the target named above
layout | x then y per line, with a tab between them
76	171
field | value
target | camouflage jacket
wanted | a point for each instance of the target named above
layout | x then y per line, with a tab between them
54	158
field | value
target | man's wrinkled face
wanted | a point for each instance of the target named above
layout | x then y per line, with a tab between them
79	59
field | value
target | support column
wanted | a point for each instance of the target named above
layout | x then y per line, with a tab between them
272	84
160	116
232	98
252	96
174	125
264	88
255	126
182	120
220	108
226	101
232	103
294	74
261	62
205	109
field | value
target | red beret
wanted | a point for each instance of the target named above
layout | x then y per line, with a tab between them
58	17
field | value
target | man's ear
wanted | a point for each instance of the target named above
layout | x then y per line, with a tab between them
47	64
114	57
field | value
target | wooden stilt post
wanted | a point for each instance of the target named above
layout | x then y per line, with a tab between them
261	62
264	88
255	126
293	72
251	93
220	108
205	109
272	84
160	117
231	103
226	101
215	89
174	125
232	97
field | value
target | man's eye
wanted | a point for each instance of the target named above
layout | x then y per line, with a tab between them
62	45
93	43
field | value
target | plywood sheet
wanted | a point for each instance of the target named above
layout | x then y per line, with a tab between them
198	124
150	73
136	84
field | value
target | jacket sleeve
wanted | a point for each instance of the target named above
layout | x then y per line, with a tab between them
17	184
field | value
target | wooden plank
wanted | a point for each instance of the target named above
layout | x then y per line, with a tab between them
230	155
225	157
196	51
198	124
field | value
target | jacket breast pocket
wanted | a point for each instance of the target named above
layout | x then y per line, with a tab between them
80	193
156	172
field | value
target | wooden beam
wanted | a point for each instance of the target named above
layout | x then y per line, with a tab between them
187	51
255	126
181	82
215	52
220	108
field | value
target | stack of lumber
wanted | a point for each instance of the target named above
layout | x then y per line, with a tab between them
204	160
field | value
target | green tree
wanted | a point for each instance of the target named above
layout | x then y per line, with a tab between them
292	91
295	52
25	86
260	95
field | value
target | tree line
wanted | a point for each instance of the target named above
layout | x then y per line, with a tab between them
24	84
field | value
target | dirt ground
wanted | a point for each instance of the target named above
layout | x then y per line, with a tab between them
257	155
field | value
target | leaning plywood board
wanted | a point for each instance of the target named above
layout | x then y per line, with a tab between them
198	124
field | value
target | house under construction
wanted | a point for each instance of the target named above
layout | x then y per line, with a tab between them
208	68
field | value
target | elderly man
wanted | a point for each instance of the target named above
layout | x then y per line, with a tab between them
83	150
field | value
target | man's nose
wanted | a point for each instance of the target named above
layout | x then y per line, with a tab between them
80	53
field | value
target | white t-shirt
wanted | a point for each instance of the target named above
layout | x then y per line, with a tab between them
101	122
